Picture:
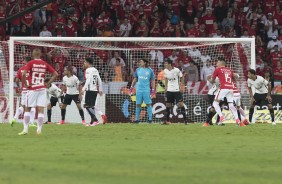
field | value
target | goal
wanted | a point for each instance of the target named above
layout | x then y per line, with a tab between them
116	59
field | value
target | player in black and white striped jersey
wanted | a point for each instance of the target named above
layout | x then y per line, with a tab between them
54	96
261	95
72	86
211	95
92	86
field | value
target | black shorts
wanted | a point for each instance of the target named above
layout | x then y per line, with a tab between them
53	101
172	97
211	99
260	99
90	98
68	98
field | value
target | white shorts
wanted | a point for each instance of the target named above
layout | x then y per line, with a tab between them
237	99
221	93
36	98
23	99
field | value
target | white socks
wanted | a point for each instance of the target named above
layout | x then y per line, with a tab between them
242	112
32	115
26	121
217	108
233	110
19	111
40	122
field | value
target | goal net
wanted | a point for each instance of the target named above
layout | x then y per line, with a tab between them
117	58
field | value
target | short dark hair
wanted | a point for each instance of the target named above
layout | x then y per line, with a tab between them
46	80
252	71
89	60
145	60
169	61
27	58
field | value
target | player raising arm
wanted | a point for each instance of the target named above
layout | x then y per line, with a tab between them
173	78
261	96
53	96
92	86
143	76
71	83
20	110
225	76
36	96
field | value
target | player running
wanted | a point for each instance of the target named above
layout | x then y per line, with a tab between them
72	86
143	75
211	95
92	86
237	100
226	78
54	95
261	96
173	78
36	95
20	110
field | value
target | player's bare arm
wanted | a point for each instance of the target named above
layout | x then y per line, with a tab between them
24	79
166	81
53	78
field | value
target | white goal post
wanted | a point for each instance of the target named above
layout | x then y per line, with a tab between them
131	53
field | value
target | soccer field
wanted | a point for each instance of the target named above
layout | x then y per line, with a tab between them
144	153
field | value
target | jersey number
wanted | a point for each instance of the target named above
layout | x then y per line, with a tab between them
37	79
227	78
94	79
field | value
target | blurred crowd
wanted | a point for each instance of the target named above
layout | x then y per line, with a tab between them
261	19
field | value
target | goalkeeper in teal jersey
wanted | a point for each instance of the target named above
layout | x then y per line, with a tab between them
144	76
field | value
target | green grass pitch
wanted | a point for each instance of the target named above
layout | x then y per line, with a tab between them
144	153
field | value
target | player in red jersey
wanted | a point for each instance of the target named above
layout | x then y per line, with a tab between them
36	96
226	79
237	101
20	110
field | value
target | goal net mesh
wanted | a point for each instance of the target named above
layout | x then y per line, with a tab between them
117	61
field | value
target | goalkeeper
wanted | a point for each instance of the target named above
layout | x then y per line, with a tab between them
143	76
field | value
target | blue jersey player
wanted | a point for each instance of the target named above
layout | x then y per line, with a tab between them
144	76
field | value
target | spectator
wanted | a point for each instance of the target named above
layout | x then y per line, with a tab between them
157	57
194	53
167	29
208	19
184	59
274	56
192	72
84	31
273	43
220	12
207	70
142	29
27	19
271	26
205	57
156	30
118	69
45	32
277	72
228	21
190	13
70	29
108	32
88	20
23	31
173	57
113	61
125	28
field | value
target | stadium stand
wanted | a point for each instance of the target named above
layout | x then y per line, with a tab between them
148	18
